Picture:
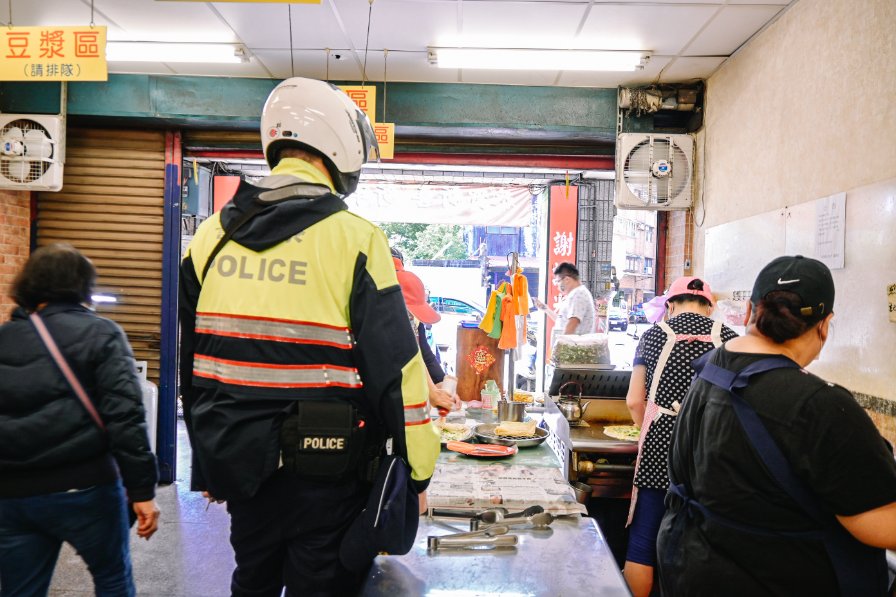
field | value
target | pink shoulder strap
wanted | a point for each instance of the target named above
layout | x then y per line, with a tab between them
76	386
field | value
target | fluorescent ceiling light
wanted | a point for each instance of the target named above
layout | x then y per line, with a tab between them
537	59
103	298
139	51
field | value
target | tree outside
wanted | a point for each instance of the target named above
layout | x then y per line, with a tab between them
427	241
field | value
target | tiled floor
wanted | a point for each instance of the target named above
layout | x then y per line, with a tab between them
189	556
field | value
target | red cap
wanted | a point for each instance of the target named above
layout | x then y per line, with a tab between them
415	295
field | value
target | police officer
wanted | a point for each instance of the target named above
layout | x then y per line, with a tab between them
297	362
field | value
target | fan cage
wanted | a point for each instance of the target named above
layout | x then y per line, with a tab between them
25	170
641	182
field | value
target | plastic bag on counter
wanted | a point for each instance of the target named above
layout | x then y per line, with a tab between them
585	349
732	312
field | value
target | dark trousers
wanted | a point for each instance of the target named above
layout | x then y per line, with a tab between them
288	534
93	521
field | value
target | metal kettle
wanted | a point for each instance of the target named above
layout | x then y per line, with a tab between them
570	405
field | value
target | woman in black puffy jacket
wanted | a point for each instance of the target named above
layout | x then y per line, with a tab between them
62	478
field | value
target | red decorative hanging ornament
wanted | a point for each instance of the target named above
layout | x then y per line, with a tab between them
480	359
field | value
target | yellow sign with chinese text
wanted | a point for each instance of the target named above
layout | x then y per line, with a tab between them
53	54
364	96
385	138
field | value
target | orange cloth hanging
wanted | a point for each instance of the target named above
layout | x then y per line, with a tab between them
521	293
521	302
508	322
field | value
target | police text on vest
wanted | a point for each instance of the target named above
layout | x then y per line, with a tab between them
324	443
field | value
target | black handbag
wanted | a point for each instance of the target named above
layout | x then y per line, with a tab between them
75	385
388	523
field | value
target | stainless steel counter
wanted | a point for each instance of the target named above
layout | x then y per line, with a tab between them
592	439
570	557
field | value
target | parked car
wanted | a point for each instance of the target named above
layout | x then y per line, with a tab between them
444	333
637	315
617	319
455	306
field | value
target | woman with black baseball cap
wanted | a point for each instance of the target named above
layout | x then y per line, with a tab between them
780	484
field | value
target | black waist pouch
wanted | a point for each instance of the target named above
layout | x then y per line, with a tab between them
323	441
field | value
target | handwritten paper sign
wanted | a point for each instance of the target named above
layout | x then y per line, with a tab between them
830	230
891	297
53	54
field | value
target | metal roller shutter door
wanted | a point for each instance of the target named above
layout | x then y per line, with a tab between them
111	208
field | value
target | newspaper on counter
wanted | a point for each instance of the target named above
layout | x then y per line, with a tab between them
474	487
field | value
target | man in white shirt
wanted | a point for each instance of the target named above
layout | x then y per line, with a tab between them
575	313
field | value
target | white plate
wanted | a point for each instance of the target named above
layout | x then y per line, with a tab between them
461	438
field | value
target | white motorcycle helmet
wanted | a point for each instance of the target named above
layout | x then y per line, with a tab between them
315	115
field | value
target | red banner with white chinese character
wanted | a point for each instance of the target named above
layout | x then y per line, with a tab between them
53	54
563	214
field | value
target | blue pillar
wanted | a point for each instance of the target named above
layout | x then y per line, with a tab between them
166	445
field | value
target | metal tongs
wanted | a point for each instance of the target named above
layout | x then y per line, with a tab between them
536	521
492	536
498	517
489	516
447	542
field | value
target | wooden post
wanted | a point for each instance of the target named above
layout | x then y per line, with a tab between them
469	382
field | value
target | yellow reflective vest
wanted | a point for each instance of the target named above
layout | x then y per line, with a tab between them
303	302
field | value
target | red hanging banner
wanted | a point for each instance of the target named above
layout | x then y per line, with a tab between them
563	212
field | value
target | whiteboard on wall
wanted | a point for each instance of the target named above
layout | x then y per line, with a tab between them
858	355
736	251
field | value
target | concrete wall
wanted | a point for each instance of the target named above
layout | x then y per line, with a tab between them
805	110
15	242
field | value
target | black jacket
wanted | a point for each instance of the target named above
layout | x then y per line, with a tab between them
49	442
429	357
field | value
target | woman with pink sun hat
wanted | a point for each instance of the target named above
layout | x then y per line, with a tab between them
661	376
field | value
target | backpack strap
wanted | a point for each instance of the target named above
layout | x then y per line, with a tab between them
228	234
731	380
766	447
266	197
860	569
